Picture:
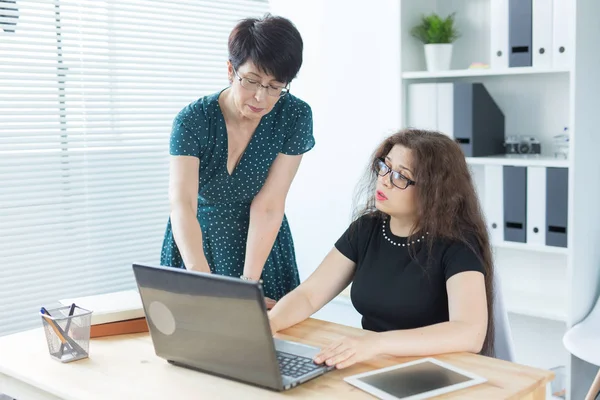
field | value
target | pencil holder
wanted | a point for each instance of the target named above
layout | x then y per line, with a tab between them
67	332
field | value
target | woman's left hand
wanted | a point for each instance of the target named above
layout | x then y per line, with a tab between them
270	303
348	351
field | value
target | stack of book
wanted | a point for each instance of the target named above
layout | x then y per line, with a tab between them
114	313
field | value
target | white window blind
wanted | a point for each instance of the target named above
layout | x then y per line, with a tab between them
88	92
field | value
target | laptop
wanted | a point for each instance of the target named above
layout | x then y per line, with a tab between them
219	325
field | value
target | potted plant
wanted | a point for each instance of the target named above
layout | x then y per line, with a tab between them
437	34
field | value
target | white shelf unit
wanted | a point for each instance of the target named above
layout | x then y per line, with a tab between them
532	305
531	247
480	72
519	161
541	283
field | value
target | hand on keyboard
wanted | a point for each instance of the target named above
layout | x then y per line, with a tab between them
270	303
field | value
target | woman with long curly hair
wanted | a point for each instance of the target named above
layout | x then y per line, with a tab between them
417	254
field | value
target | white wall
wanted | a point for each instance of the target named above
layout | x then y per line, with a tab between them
350	77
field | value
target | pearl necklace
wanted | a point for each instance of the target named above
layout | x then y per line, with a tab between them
400	244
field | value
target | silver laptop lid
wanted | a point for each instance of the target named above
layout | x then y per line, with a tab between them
213	323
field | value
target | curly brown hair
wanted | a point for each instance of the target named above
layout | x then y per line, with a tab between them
447	204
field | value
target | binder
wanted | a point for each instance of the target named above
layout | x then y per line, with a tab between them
478	121
542	33
515	203
493	204
499	34
557	206
111	307
463	111
422	106
561	39
536	205
136	325
519	33
445	108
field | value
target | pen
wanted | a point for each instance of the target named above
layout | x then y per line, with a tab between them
52	324
62	346
60	333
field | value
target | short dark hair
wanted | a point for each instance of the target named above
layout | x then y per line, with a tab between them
272	43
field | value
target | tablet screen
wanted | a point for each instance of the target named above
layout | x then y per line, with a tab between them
414	379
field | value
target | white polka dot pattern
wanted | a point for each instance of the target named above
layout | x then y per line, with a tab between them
224	200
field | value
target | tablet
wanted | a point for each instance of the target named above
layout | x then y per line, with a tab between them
415	380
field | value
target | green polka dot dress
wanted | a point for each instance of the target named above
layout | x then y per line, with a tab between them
224	200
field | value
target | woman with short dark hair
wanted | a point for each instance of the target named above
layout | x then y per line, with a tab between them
234	155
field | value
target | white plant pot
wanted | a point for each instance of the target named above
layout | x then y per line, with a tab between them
438	56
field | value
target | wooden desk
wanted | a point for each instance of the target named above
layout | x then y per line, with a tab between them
125	367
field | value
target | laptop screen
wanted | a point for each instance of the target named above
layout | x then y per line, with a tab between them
213	323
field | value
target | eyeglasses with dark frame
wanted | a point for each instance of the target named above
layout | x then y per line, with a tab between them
254	85
396	178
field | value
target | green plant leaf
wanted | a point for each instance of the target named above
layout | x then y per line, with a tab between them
434	29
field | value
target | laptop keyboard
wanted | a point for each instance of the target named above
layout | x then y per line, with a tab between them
295	366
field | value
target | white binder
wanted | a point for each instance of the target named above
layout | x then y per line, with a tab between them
542	33
110	307
445	108
499	34
561	28
494	202
536	205
422	106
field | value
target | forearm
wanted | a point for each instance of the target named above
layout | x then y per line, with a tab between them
445	337
290	310
262	231
188	236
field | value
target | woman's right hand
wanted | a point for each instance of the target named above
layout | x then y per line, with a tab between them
201	267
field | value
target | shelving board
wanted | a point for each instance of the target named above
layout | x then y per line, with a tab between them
519	161
481	72
550	306
531	247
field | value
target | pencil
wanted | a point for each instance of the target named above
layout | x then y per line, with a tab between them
62	346
61	334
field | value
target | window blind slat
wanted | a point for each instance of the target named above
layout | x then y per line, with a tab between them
28	162
126	236
88	95
128	231
95	188
104	158
95	257
43	141
236	7
92	58
115	177
28	210
206	41
54	276
200	67
9	74
89	26
120	50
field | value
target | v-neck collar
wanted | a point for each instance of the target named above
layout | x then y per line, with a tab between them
250	142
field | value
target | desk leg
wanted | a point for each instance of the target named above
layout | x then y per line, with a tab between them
21	390
594	389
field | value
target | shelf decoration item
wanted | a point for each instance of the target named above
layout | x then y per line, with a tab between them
561	144
438	35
